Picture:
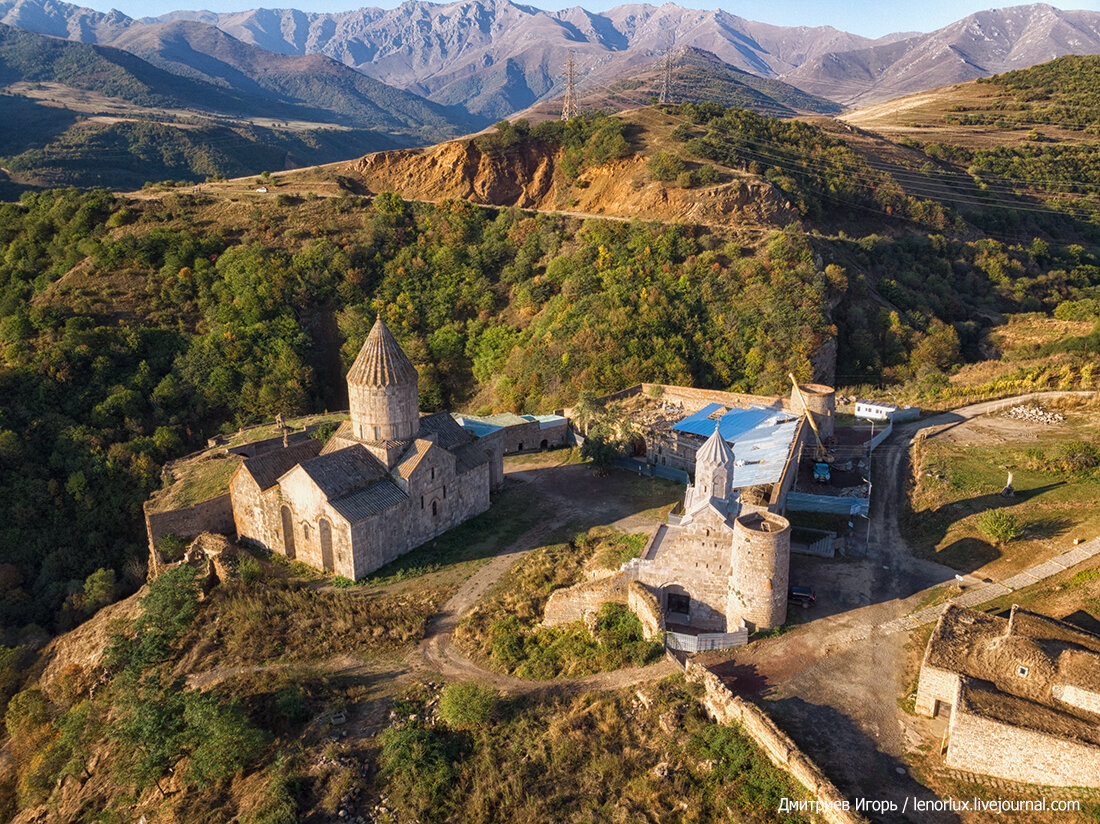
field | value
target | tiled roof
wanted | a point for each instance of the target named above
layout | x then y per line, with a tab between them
344	470
469	456
368	501
411	459
446	429
267	468
381	361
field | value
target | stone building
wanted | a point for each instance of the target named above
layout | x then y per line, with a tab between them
387	480
722	569
1022	695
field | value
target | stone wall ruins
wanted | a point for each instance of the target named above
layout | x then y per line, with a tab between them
727	708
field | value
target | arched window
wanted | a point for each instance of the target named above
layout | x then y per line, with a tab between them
421	501
435	511
324	529
444	491
433	473
288	532
376	437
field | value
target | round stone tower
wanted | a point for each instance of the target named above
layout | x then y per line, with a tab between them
759	571
820	403
382	393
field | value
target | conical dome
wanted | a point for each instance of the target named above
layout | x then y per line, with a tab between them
715	451
382	390
381	361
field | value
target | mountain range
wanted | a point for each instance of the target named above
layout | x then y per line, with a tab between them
491	58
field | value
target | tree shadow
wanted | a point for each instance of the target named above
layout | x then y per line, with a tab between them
854	762
969	554
1050	527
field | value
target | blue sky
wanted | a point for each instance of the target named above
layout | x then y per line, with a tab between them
871	18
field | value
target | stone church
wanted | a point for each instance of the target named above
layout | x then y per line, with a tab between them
388	480
726	564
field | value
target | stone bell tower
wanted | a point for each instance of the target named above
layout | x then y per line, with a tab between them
382	392
713	473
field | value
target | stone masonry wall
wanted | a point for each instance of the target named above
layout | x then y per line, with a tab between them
214	515
581	602
726	708
986	746
934	685
645	605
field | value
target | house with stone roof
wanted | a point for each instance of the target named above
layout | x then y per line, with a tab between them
388	480
1021	695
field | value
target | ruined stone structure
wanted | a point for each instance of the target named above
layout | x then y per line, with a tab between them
388	480
1022	694
722	568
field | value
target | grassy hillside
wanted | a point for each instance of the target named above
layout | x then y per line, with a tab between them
165	723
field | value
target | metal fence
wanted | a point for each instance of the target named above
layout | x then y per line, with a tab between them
653	470
704	642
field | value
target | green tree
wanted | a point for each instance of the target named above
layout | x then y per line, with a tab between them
99	590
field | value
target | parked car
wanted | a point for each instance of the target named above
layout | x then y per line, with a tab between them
803	596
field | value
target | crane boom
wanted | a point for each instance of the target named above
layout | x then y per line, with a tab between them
823	453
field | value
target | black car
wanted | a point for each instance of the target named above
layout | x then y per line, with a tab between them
804	596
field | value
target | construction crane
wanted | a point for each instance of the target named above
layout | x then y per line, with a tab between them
822	454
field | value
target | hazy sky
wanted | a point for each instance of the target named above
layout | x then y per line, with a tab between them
872	18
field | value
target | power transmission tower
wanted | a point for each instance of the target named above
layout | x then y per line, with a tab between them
666	82
569	107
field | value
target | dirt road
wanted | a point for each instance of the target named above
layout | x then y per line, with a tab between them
835	683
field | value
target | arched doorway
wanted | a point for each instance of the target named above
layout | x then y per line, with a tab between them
545	444
288	532
677	603
325	530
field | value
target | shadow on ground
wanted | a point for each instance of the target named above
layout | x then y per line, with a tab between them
854	762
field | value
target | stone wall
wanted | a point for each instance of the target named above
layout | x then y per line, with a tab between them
644	604
214	515
694	399
726	708
984	745
934	685
521	437
581	602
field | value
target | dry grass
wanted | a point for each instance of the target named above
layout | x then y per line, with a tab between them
262	623
959	476
197	479
638	755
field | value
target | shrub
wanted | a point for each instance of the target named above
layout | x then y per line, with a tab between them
664	166
340	582
467	706
249	569
171	547
999	526
686	180
420	764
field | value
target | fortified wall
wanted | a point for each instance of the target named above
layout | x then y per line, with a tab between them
582	602
727	708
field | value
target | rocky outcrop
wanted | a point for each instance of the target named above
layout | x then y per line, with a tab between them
529	177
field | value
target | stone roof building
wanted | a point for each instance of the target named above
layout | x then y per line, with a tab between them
1022	694
386	481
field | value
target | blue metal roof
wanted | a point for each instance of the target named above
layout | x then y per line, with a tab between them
479	427
731	425
761	439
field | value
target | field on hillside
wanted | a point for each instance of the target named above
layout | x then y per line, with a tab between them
957	516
